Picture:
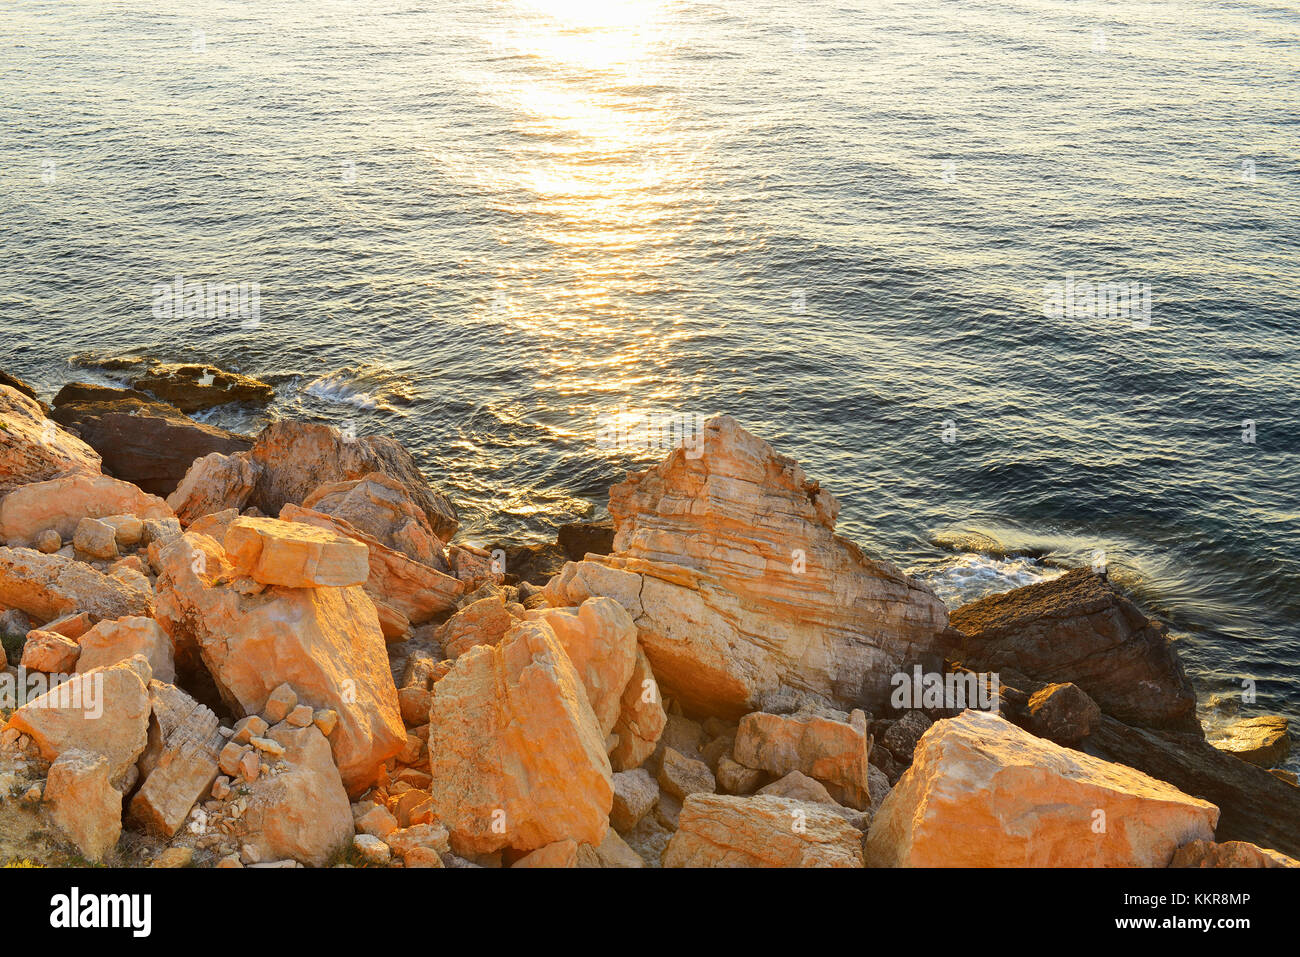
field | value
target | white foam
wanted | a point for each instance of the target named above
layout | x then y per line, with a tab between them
958	579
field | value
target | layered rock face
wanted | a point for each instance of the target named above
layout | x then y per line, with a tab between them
1078	629
297	458
717	830
730	566
325	642
60	504
382	507
983	793
32	448
179	763
516	754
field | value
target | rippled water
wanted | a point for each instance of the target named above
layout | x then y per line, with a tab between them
479	226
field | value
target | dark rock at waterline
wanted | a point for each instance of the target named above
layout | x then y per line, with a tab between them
149	443
583	538
192	388
536	564
19	385
1079	629
1062	713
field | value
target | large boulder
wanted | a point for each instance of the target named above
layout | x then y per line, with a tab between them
109	642
1264	741
179	763
34	449
80	801
295	555
60	504
1229	854
418	591
105	711
51	586
324	642
730	566
298	457
212	484
828	747
517	756
982	792
1079	629
194	387
719	830
641	720
600	640
148	443
383	507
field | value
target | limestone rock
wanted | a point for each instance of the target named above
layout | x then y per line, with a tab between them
1263	741
635	793
109	642
96	539
180	762
294	555
298	457
34	449
558	854
483	622
682	776
324	642
49	652
516	755
600	640
1079	629
641	719
798	787
734	778
830	747
1229	854
214	483
382	507
981	792
82	803
718	830
47	587
1062	713
61	503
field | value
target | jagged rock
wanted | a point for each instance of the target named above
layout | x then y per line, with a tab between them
735	778
105	711
325	642
150	444
298	457
50	653
109	642
635	793
372	850
295	555
19	385
214	483
473	566
1079	629
830	747
382	507
50	586
192	388
516	754
901	737
981	792
730	567
600	640
61	503
681	776
81	801
34	449
1062	713
302	813
418	591
483	622
128	530
798	787
878	785
641	720
535	563
180	762
613	851
1263	741
717	830
558	854
96	539
1229	854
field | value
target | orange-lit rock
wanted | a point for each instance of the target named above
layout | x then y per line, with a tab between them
295	555
981	792
1229	854
61	503
516	754
641	718
214	483
829	748
718	830
50	652
482	622
730	566
600	640
382	507
51	586
33	448
81	801
112	641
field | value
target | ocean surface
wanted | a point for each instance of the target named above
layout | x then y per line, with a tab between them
484	226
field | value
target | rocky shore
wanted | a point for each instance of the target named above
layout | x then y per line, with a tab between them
272	651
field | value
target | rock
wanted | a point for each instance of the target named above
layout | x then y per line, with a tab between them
1290	777
294	555
19	385
150	444
474	566
983	793
382	507
48	541
105	711
1062	713
300	716
371	850
583	538
268	746
414	704
681	776
718	830
418	591
534	564
902	736
324	642
109	642
641	720
230	861
878	785
34	449
50	653
326	719
600	640
230	756
214	483
483	622
302	813
1229	854
798	787
96	539
394	625
1263	741
830	747
175	857
635	793
60	504
516	755
82	803
282	700
419	837
297	458
250	727
193	388
377	821
128	530
180	763
730	567
734	778
559	854
1079	629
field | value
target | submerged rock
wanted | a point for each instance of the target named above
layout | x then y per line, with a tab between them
1264	741
192	387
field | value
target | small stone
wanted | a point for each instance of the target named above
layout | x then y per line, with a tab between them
283	700
300	717
127	529
230	860
248	728
249	766
96	539
681	776
372	849
249	854
422	857
33	794
49	541
378	822
267	746
221	788
326	720
175	857
230	757
734	778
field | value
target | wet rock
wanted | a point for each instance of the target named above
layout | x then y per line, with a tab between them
193	388
1263	741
